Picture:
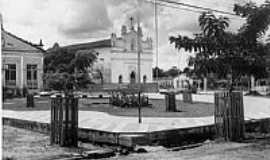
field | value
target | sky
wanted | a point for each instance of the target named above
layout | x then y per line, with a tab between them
77	21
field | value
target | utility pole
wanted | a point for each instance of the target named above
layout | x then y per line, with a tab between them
139	50
156	33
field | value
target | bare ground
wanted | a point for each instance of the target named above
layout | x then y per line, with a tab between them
21	144
256	150
28	145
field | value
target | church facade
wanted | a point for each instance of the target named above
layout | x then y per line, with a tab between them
117	59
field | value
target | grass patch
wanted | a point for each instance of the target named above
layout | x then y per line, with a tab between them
157	109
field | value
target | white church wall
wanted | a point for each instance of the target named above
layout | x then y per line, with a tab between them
124	64
121	58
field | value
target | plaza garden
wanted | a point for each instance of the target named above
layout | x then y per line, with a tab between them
131	117
156	107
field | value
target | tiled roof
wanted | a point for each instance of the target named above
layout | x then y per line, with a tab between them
36	46
90	45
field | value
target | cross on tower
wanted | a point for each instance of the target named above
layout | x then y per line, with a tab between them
131	23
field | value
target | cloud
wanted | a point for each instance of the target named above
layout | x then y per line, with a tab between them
121	11
173	22
23	12
62	21
84	19
79	21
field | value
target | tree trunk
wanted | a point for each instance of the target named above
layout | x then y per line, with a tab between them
101	78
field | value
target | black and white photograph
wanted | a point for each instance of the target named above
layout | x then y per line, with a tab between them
135	79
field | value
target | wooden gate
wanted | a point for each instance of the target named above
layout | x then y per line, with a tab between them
229	115
170	102
64	121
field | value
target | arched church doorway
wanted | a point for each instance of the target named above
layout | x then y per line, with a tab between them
144	79
132	77
120	79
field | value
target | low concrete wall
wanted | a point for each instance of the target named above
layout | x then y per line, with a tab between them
182	136
170	138
96	136
261	125
30	125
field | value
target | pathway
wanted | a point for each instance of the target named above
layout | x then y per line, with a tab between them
254	108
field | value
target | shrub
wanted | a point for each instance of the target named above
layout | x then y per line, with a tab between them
9	92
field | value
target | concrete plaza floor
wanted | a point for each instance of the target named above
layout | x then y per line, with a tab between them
254	108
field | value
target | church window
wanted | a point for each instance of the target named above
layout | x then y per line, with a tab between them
144	79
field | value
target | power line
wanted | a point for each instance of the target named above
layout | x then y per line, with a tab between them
218	1
171	4
175	7
184	9
197	7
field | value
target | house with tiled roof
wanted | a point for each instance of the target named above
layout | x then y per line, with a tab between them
22	62
117	56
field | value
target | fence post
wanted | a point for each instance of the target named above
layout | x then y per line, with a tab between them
30	101
170	102
64	121
229	115
52	131
187	97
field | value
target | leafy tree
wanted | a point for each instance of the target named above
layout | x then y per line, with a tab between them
160	72
66	69
257	20
172	72
98	75
187	71
213	26
221	52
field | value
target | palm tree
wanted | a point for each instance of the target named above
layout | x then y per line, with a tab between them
211	25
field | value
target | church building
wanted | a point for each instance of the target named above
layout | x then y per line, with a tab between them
117	58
